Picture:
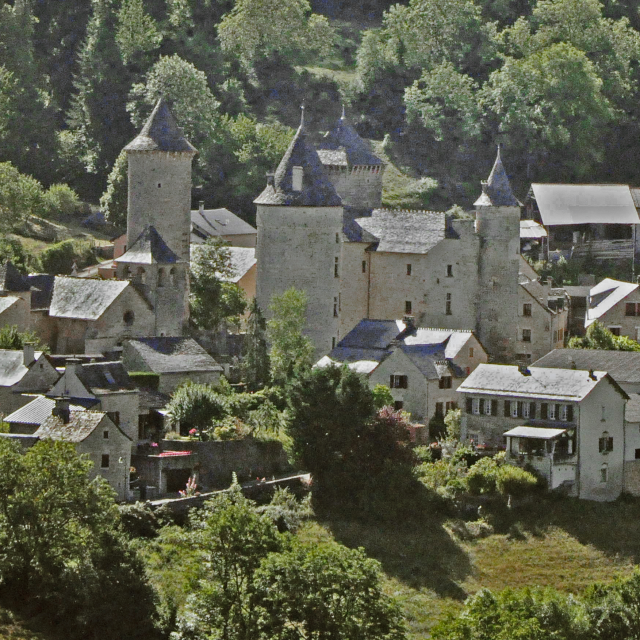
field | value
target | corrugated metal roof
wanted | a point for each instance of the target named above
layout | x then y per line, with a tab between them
622	366
539	433
544	383
604	296
532	229
585	204
83	298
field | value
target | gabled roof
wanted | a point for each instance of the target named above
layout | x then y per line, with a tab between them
37	411
12	368
538	292
105	377
342	146
161	133
242	259
405	231
217	222
80	426
604	296
149	248
585	204
173	355
11	279
6	302
622	366
41	290
496	191
82	298
543	383
317	189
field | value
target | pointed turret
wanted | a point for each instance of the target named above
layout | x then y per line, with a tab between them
300	178
496	191
161	133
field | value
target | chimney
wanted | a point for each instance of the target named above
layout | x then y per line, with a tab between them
524	370
61	410
28	354
73	365
592	375
271	180
409	322
201	206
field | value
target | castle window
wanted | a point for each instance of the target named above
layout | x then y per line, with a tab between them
333	343
337	238
526	335
632	309
105	434
605	443
104	461
336	268
398	382
407	307
364	266
471	352
449	271
161	277
604	473
159	185
172	276
296	178
444	382
408	269
447	306
141	275
526	309
335	307
128	318
397	405
614	330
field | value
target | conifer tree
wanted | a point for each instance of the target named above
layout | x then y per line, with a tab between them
255	358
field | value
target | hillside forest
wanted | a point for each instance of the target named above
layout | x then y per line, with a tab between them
435	83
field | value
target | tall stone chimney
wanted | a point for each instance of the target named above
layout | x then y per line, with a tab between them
62	410
28	354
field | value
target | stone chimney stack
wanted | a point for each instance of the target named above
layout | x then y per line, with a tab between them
73	365
201	206
61	410
28	351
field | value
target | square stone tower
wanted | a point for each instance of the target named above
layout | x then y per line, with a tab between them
159	219
498	227
299	220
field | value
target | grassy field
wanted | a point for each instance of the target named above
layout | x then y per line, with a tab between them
432	564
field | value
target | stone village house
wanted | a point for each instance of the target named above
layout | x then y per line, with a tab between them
569	424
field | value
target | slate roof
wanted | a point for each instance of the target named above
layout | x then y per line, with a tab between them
317	190
82	298
11	279
544	383
37	411
342	146
161	133
173	355
217	222
12	368
80	426
6	302
577	291
536	291
585	204
622	366
149	248
152	399
105	377
496	191
405	231
604	296
359	366
242	259
41	290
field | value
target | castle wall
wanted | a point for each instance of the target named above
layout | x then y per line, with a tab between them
297	247
354	285
160	195
357	186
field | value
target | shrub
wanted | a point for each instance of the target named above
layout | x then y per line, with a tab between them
60	200
11	338
138	520
481	478
59	258
515	481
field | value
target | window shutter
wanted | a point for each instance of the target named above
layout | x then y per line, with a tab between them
557	412
494	407
507	409
543	411
532	410
570	413
469	405
610	444
519	409
391	381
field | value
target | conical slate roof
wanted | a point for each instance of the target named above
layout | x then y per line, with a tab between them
11	279
343	145
496	191
317	190
149	248
161	133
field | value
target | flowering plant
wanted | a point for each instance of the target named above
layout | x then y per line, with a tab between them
190	489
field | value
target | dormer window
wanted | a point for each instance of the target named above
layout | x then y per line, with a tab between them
296	178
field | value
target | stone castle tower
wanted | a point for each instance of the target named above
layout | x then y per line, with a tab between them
498	227
354	170
159	219
299	220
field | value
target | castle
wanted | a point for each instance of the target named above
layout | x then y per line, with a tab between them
320	229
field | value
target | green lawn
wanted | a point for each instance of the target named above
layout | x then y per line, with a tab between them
430	568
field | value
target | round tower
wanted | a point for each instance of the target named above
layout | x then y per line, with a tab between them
299	220
160	160
498	226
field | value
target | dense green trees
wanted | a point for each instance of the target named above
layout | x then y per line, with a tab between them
598	336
